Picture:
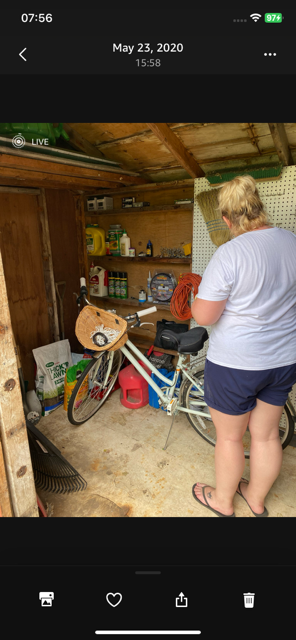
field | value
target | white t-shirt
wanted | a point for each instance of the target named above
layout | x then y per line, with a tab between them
256	272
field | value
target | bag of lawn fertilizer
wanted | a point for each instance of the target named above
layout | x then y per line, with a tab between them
52	362
72	375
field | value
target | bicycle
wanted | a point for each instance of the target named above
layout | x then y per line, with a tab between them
103	370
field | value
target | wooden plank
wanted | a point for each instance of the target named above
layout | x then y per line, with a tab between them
176	147
252	135
48	273
64	243
278	132
78	142
154	186
166	208
80	240
130	302
5	504
64	169
28	192
23	267
83	226
48	180
155	259
13	430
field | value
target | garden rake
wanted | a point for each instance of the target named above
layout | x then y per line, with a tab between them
52	472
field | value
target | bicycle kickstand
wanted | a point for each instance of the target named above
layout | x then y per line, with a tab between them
166	444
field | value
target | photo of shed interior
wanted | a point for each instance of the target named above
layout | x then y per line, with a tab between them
44	213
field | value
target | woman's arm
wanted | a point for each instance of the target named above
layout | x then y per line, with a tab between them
207	312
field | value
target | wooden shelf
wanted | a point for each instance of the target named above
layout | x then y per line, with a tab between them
146	259
153	209
133	303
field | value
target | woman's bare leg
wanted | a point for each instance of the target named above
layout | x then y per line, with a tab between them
266	453
229	460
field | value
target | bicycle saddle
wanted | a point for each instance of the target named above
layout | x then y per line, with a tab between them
191	341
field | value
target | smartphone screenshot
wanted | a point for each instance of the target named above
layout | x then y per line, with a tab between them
147	319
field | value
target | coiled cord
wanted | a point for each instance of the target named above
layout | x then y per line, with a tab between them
179	306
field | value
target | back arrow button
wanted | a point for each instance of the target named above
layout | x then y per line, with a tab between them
20	54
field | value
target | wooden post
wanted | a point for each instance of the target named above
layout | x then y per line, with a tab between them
82	250
48	269
13	432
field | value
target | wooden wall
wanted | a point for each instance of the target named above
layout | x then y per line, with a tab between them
164	229
23	268
64	247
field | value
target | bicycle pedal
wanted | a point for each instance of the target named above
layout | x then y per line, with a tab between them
172	406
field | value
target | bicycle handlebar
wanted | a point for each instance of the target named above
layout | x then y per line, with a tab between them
130	317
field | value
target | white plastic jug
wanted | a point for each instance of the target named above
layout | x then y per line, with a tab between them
98	282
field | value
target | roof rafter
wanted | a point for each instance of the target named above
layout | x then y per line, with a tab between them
177	149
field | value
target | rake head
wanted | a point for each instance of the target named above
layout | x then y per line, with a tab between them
52	472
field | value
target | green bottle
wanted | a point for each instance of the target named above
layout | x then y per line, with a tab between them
111	284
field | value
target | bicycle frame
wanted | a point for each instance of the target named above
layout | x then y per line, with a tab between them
166	399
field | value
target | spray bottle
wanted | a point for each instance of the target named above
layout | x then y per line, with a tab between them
149	294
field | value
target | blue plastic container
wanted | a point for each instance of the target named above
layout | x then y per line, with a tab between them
153	397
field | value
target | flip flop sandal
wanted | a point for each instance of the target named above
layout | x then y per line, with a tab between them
258	515
207	504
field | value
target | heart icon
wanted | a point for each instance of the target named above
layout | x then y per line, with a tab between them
114	599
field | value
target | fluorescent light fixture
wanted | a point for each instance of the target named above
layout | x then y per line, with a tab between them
146	633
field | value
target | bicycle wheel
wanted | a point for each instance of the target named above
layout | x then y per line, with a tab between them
94	386
204	426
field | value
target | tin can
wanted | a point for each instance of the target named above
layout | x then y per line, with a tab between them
132	252
111	284
117	284
123	284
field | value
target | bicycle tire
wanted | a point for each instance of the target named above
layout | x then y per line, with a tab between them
97	394
208	432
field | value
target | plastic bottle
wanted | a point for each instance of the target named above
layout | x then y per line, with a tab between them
95	240
111	284
115	232
117	284
33	402
125	243
142	295
149	249
149	294
108	252
123	284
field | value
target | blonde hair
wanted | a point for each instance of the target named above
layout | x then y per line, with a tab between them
239	202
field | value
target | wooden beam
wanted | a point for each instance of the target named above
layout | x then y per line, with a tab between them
81	144
16	177
63	169
48	269
13	432
81	239
151	187
5	505
279	135
177	149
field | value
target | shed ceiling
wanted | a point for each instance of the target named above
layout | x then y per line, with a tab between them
214	146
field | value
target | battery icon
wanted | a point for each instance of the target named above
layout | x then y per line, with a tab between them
273	17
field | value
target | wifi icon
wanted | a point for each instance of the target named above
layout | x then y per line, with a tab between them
255	16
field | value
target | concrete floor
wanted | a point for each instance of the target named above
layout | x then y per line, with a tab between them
119	452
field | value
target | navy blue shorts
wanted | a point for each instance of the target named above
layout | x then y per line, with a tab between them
234	391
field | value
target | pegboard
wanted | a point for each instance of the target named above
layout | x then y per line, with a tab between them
279	198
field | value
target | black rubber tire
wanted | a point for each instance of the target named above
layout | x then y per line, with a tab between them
183	401
79	383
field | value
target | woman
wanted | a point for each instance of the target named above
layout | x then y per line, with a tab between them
248	292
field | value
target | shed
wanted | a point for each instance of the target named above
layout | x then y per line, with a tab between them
48	176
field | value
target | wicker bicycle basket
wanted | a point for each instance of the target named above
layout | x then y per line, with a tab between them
89	318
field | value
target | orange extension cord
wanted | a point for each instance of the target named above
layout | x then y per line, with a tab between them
179	306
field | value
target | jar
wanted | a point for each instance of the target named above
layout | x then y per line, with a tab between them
123	284
117	284
132	252
111	284
115	232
